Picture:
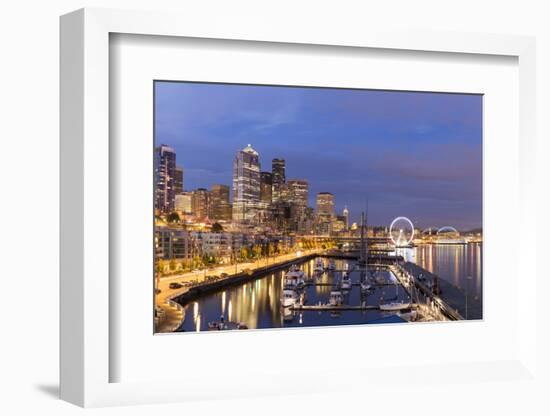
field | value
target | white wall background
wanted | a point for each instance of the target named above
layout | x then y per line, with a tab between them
29	172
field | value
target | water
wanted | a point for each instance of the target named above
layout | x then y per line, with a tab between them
257	303
454	263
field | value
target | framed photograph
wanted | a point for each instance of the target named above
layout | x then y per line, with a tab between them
318	237
232	203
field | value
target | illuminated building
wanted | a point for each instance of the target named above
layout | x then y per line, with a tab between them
266	184
165	167
278	178
325	212
298	191
172	243
201	203
220	207
345	214
246	185
325	204
183	202
338	224
178	180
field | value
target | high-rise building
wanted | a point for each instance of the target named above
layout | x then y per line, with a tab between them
325	212
266	183
165	167
278	178
298	192
345	214
246	185
325	204
184	202
201	203
219	202
178	180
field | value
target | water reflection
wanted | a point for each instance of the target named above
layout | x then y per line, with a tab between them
453	263
257	303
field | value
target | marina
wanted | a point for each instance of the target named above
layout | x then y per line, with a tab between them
300	294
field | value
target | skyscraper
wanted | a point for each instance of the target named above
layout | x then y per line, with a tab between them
278	177
178	180
325	204
266	183
165	167
246	184
345	214
200	202
219	202
325	212
298	192
184	202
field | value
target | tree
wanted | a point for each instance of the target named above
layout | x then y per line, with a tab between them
173	217
217	228
257	250
172	265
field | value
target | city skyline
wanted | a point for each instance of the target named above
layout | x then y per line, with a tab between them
428	168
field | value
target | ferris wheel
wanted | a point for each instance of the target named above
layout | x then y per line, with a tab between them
401	231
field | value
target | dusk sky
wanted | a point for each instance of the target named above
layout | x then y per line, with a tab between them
412	154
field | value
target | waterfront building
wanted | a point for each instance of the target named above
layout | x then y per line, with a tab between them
165	167
178	180
183	202
219	203
218	245
201	203
173	243
246	185
278	178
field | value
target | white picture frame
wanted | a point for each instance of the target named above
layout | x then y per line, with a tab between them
86	333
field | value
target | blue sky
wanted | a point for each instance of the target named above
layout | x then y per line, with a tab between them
412	154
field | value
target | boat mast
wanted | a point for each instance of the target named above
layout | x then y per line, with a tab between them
362	254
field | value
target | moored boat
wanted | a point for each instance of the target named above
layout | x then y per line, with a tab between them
289	298
319	266
336	298
294	278
345	283
394	306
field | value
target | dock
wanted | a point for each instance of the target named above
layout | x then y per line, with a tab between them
452	298
341	307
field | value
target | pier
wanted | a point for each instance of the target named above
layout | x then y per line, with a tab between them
451	299
341	307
